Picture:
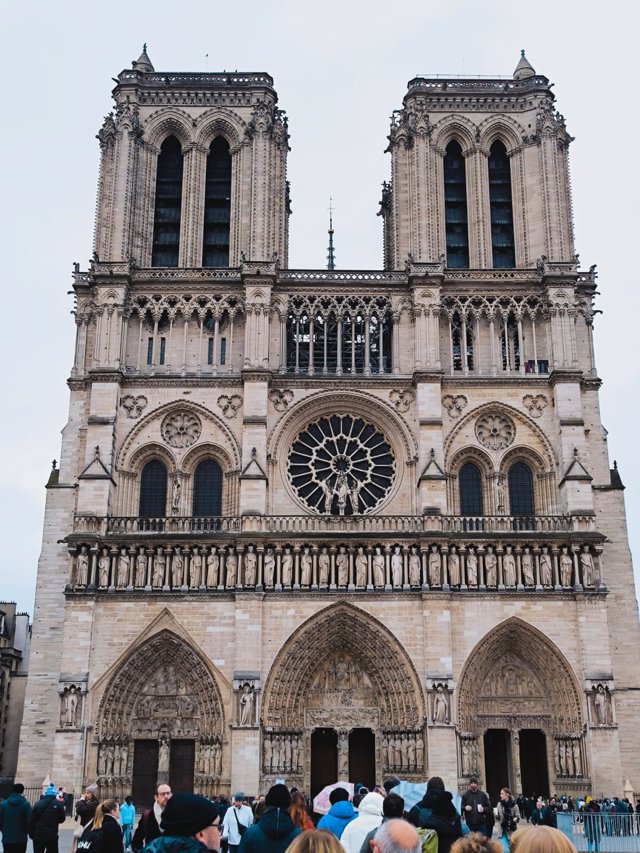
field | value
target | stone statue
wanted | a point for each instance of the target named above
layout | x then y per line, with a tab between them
419	753
103	569
474	757
569	758
123	569
70	707
141	569
453	564
159	566
287	567
250	566
378	567
268	754
175	495
287	753
466	758
440	706
269	566
411	753
324	567
434	566
163	756
415	569
361	567
195	570
213	566
82	567
577	760
306	565
566	567
490	567
342	491
563	758
247	699
586	565
231	566
472	567
509	567
342	563
500	496
601	705
177	568
355	496
527	567
546	572
102	761
396	566
328	495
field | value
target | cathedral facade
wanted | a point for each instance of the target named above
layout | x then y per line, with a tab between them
321	524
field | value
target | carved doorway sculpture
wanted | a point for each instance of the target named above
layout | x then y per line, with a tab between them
324	759
362	757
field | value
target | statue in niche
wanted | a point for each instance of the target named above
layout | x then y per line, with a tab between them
378	567
287	753
577	761
82	567
328	495
195	569
509	567
269	566
287	567
586	565
454	567
123	569
396	566
163	756
500	495
546	572
414	567
566	567
361	567
213	565
440	706
356	675
141	569
103	569
465	755
306	565
569	759
176	490
70	702
472	567
411	753
250	566
102	761
474	757
434	566
490	567
342	564
342	491
324	567
527	567
354	494
268	754
601	702
419	753
159	567
231	566
563	758
177	568
246	701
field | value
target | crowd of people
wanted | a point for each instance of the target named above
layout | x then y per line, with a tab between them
282	821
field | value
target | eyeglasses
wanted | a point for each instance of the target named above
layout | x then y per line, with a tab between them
217	826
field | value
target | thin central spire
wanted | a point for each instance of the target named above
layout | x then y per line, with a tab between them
331	255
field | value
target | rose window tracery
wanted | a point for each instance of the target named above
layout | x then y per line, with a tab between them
181	429
341	465
495	431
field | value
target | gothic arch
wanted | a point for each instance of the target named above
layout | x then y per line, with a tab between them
337	629
455	127
541	688
168	122
220	122
151	450
502	128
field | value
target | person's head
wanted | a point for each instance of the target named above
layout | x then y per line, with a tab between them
162	794
106	807
476	842
128	800
238	799
395	836
337	795
435	783
315	841
50	791
473	785
393	806
388	784
278	797
90	792
298	809
540	839
505	794
17	788
193	816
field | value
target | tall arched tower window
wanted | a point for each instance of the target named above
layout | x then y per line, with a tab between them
166	222
217	205
455	207
502	242
470	485
521	500
207	489
153	490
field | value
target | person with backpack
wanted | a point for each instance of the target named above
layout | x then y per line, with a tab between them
103	834
275	830
148	828
436	811
236	821
15	813
46	817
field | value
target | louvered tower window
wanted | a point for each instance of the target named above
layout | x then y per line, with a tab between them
166	222
217	205
501	206
470	485
153	490
207	489
521	501
455	207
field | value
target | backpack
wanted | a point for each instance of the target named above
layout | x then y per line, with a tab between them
428	840
91	841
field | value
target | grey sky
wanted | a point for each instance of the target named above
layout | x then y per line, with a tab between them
340	68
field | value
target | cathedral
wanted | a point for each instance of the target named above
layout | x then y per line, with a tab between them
321	524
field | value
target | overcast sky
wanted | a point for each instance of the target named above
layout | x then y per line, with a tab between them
340	68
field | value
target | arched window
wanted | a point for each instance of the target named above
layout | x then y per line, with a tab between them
470	485
521	500
153	490
207	489
461	357
166	222
455	207
502	241
217	205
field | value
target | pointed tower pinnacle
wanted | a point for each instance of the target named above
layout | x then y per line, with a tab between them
524	68
143	63
331	257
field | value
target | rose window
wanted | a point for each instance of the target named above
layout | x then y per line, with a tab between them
181	429
495	431
341	465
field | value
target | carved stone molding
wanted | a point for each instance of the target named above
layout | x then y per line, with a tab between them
403	399
535	404
342	718
181	429
454	405
281	397
495	431
134	406
229	404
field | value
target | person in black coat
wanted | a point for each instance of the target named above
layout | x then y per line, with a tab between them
46	817
436	811
275	830
106	821
15	813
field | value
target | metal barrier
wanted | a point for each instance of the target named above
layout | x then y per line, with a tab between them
601	832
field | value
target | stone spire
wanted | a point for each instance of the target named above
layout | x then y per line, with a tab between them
143	63
331	255
524	68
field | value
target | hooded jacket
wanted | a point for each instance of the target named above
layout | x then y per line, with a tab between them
436	811
369	817
175	844
46	817
273	833
15	812
338	816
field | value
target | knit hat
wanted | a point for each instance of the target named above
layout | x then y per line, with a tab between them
186	814
338	795
92	789
278	796
238	797
51	791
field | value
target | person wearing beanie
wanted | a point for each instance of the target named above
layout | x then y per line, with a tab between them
15	813
236	822
275	830
190	824
46	817
369	817
340	814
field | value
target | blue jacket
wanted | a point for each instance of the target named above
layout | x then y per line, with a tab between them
273	833
14	819
338	816
175	844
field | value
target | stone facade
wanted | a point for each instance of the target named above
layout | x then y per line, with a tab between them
15	638
312	524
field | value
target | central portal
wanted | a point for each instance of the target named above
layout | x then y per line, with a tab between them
362	757
324	759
